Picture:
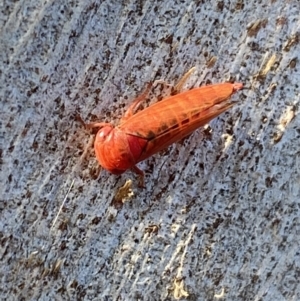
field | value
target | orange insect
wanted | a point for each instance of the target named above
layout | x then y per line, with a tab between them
142	134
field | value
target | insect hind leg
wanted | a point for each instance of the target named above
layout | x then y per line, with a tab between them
134	106
141	175
183	80
178	87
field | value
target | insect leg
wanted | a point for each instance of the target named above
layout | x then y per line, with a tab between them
182	81
134	106
91	125
178	87
140	174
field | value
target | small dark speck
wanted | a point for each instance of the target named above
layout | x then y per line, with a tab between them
293	63
35	146
163	127
151	135
81	216
171	178
63	246
169	39
173	121
268	182
220	5
96	220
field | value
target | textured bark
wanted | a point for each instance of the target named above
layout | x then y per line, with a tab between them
219	216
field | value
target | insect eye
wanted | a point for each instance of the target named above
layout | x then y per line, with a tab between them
104	132
101	134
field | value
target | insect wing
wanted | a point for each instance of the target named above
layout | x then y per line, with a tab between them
168	121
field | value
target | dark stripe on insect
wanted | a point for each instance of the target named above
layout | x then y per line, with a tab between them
185	121
150	135
175	126
195	114
173	121
163	127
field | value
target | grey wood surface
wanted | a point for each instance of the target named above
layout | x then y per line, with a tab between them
219	217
